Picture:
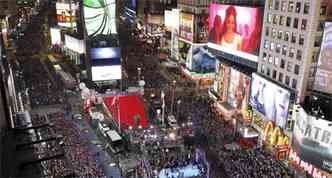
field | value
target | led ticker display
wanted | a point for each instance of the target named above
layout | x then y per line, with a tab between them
235	30
100	17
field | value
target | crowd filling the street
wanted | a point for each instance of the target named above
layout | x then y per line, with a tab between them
70	129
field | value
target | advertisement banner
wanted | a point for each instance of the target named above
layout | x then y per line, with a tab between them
201	60
168	20
312	140
235	30
238	90
270	99
74	44
55	36
104	73
186	26
202	28
100	17
66	14
175	34
323	78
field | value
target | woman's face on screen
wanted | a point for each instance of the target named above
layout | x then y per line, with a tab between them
230	23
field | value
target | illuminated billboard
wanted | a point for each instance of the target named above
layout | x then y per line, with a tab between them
105	53
66	14
323	78
55	36
104	73
75	44
186	26
235	30
168	20
270	100
100	17
201	60
238	90
175	34
312	140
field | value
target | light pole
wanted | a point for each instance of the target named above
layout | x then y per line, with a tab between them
139	73
173	93
163	108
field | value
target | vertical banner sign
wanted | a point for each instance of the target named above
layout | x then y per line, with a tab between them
175	35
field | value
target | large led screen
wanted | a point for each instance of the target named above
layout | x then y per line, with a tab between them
105	53
270	99
186	26
235	30
323	78
66	14
312	140
100	17
201	60
104	73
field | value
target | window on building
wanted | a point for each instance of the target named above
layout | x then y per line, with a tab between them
296	69
320	25
289	66
284	50
272	46
304	24
294	83
295	23
306	8
269	18
288	21
278	48
301	39
276	61
276	5
270	4
262	69
323	10
290	6
270	59
286	37
298	7
280	34
276	19
282	20
274	33
268	71
282	63
274	74
264	56
293	39
287	80
267	31
299	55
291	52
283	6
266	44
281	77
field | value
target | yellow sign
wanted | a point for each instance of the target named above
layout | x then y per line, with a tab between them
274	135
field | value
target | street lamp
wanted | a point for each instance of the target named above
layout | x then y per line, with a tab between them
163	108
139	73
173	93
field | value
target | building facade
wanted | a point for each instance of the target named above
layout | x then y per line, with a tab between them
290	43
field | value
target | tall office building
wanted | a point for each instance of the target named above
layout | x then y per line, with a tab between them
290	43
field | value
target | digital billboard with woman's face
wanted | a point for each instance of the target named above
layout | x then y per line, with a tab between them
235	30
